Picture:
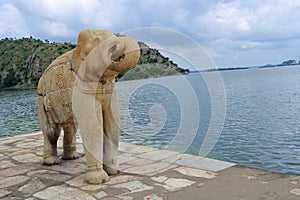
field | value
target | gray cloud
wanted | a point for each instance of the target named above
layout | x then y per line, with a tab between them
233	32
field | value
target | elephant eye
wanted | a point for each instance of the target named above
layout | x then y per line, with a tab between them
86	50
118	59
97	40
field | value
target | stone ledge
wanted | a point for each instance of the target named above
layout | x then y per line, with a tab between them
147	173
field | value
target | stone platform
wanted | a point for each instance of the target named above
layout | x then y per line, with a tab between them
147	173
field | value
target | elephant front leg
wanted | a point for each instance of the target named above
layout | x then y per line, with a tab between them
110	152
93	146
88	113
96	173
111	120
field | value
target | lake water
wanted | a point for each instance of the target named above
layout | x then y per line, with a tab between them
261	127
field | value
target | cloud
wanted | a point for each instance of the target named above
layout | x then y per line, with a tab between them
223	27
54	19
11	21
180	47
227	19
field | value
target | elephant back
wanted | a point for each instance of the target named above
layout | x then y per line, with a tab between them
55	86
58	75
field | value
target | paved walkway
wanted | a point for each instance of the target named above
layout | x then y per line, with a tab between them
147	173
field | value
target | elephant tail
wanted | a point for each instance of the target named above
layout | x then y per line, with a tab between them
42	112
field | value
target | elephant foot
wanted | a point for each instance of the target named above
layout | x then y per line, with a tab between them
97	176
70	155
52	160
113	170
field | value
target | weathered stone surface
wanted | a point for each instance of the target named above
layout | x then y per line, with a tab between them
295	191
3	147
121	179
203	163
39	151
13	171
134	186
196	172
159	155
70	167
27	158
10	181
6	164
140	161
41	171
2	157
21	152
150	169
11	150
49	175
251	177
78	181
32	144
33	186
101	195
4	192
126	157
174	184
159	179
215	165
153	197
63	192
124	197
90	187
134	149
295	182
8	140
124	167
110	198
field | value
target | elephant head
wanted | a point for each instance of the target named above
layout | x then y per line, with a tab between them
100	51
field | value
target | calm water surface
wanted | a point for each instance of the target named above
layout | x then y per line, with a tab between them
261	129
18	112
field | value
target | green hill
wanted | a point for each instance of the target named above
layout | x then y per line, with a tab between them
22	62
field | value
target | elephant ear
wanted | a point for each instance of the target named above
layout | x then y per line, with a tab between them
130	57
87	40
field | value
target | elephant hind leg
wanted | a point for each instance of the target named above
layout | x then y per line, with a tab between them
69	143
50	146
51	132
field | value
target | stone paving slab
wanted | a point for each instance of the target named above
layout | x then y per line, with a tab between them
147	173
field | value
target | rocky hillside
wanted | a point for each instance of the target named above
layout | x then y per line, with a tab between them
22	62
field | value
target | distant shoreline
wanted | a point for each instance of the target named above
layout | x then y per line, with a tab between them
243	68
190	72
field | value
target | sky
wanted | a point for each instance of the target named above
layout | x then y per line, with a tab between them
233	33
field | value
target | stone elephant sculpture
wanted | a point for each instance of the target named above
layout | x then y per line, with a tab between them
79	86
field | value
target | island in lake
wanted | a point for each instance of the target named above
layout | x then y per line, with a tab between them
283	64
